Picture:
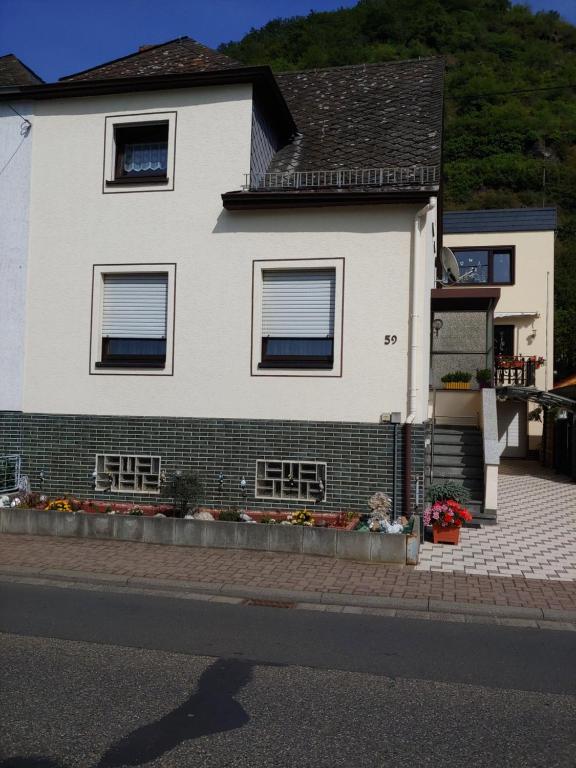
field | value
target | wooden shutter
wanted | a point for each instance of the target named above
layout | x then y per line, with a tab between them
135	306
298	303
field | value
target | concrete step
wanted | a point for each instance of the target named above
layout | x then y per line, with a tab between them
457	429
462	460
456	438
459	449
474	473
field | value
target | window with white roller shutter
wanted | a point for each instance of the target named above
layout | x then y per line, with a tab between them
298	309
134	319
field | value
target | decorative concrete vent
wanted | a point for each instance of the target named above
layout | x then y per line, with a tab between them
291	480
9	473
127	474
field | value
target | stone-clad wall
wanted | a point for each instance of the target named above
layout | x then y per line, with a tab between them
359	456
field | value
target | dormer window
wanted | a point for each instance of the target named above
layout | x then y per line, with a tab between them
141	152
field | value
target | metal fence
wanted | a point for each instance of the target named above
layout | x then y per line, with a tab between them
396	176
9	473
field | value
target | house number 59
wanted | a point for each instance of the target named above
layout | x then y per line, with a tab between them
390	339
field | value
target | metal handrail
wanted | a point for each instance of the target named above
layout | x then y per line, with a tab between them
432	435
344	178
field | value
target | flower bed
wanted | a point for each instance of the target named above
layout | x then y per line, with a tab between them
400	549
343	520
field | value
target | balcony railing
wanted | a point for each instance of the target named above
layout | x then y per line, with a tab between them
389	176
513	370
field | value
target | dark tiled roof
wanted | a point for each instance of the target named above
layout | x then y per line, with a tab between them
504	220
13	72
179	56
364	116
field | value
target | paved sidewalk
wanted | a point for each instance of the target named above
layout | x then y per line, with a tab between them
535	537
296	574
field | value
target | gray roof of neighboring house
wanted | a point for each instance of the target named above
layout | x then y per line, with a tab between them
364	116
14	72
504	220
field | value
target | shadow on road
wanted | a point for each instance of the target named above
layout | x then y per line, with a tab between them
212	708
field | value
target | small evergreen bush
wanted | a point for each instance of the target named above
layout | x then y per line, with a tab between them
186	489
446	490
463	376
230	516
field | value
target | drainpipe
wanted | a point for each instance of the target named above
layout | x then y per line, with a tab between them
415	344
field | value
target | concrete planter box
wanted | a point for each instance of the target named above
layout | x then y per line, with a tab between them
400	549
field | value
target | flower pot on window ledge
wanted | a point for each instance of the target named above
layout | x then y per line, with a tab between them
445	534
456	385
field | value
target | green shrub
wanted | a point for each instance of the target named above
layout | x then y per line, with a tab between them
483	375
230	516
448	490
186	489
456	376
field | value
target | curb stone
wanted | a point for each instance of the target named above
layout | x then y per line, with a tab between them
409	607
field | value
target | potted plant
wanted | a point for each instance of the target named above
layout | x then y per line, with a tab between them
446	518
484	377
457	380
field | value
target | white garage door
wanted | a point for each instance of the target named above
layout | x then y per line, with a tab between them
512	429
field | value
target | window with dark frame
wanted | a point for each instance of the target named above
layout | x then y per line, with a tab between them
298	318
134	319
141	153
485	266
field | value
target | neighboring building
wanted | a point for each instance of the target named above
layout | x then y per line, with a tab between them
507	257
15	169
278	332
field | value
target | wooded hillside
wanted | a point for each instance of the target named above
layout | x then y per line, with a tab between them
510	137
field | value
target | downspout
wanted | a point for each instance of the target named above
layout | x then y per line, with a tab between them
415	342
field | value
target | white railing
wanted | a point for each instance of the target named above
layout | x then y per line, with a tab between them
390	176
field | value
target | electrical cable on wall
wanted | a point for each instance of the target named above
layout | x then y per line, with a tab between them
25	128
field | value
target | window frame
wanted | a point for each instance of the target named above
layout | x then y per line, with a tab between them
288	366
112	181
491	250
315	362
138	366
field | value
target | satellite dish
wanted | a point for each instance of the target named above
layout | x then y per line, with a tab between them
450	264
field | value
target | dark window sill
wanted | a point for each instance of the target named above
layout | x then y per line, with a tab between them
297	365
133	180
480	285
131	364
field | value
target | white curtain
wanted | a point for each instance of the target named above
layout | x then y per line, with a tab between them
152	156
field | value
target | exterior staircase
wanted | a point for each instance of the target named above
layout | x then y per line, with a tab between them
458	456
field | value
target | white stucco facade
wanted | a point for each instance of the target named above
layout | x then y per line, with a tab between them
76	227
15	168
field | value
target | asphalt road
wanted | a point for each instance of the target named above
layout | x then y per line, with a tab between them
95	679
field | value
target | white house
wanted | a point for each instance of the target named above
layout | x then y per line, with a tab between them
226	270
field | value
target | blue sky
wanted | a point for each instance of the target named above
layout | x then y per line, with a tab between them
58	37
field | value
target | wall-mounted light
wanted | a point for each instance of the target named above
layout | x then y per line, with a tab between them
437	325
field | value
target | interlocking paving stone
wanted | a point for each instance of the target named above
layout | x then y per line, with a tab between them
525	541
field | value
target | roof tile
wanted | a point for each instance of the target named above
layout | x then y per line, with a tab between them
179	56
364	116
14	72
